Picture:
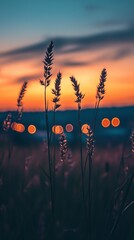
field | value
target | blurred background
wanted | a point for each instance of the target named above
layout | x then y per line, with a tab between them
88	36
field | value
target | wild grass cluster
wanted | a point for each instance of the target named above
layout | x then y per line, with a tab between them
51	191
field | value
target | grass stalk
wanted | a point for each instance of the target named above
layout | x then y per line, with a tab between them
81	155
90	150
48	61
79	97
56	93
96	115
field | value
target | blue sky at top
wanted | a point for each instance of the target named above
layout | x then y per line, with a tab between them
29	21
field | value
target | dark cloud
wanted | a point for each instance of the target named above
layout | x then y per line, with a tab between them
28	78
103	39
114	56
30	49
81	64
87	63
122	53
74	44
73	63
17	57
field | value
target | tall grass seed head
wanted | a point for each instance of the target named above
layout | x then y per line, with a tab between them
101	86
7	122
78	93
57	91
63	147
19	100
48	61
90	142
21	94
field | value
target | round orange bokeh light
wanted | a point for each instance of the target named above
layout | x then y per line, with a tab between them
105	122
69	127
18	127
57	129
31	129
85	128
115	122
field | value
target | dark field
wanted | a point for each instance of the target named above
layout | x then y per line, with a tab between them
25	205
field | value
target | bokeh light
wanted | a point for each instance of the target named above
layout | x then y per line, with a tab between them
69	127
18	127
31	129
85	128
14	126
105	122
57	129
115	122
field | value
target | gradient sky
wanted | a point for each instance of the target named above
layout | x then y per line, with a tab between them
87	35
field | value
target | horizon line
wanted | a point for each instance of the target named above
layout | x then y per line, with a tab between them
71	109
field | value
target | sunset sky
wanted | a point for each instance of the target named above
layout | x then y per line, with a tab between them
88	35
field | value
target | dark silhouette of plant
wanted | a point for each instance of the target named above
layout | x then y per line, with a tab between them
100	94
79	96
48	61
56	91
20	98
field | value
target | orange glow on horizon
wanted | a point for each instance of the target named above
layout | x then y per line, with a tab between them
119	84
